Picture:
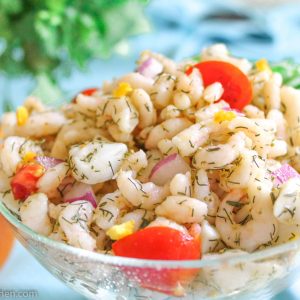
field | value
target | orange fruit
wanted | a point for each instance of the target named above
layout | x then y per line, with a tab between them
6	240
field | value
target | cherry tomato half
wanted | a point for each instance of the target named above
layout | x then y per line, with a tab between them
161	243
24	183
6	240
237	87
86	92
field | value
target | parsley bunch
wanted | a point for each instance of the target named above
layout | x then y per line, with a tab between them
37	37
290	71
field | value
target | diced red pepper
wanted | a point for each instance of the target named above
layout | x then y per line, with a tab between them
24	183
86	92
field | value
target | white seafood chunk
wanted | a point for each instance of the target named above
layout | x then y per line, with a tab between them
96	161
14	150
182	209
74	221
34	213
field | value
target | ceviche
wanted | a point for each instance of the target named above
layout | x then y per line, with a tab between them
172	161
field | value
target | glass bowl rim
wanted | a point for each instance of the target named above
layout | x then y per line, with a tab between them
149	263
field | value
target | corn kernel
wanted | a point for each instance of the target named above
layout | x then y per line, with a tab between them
22	115
123	89
29	156
223	115
262	65
120	231
294	237
40	170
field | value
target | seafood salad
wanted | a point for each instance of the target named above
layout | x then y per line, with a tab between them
198	156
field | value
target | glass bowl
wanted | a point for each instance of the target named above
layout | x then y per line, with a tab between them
232	275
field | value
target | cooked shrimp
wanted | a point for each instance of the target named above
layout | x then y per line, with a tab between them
153	157
260	131
181	184
135	161
137	80
182	209
287	204
73	133
208	112
167	147
162	90
238	174
281	123
287	233
121	111
201	191
117	134
13	151
166	130
96	161
52	178
87	104
147	113
217	157
190	139
34	213
74	221
109	208
290	100
210	238
41	124
55	210
161	221
143	195
141	218
232	277
169	112
259	226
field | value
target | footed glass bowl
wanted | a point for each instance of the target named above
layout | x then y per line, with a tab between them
232	275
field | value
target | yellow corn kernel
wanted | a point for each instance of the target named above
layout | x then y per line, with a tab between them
263	65
123	89
39	171
29	156
22	115
120	231
294	237
223	115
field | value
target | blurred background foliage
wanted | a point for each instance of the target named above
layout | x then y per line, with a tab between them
45	40
40	37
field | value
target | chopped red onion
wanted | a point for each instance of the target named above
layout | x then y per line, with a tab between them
81	191
167	168
283	174
48	162
150	68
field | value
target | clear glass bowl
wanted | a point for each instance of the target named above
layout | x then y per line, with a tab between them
259	275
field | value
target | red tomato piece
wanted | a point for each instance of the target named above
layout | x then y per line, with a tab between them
161	243
237	87
24	182
86	92
89	92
